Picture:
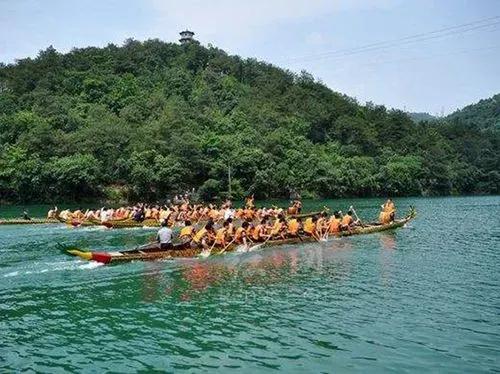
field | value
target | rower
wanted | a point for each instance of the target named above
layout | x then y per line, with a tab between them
321	224
347	220
279	228
65	214
230	227
78	214
204	237
310	227
334	223
187	231
228	212
221	234
240	236
258	233
139	215
164	236
89	214
298	205
293	227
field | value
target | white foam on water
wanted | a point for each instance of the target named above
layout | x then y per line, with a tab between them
256	247
90	265
241	249
11	274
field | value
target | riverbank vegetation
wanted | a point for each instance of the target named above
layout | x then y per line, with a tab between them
150	118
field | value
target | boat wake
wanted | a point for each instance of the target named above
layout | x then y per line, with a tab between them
56	266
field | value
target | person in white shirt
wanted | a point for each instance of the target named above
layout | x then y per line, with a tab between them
164	236
228	213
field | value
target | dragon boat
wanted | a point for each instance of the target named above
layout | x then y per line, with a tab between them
152	251
130	223
33	221
115	223
305	215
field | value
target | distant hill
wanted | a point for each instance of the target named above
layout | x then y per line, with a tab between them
483	115
149	119
419	117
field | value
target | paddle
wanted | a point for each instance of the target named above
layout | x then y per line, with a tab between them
212	247
325	237
226	247
356	214
259	245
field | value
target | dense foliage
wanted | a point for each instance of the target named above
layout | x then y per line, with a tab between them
485	114
153	118
421	116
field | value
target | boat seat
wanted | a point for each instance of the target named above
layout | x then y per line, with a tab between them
116	253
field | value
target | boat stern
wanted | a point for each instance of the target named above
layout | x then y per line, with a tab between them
102	257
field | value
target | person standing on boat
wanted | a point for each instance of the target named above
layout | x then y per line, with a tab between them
388	212
26	216
249	202
52	214
164	236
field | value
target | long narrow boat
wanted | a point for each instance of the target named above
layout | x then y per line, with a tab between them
116	223
183	250
304	215
130	223
33	221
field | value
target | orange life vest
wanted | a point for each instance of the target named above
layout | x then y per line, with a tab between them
385	217
199	235
334	225
293	226
277	227
186	232
238	236
220	236
256	232
309	226
347	220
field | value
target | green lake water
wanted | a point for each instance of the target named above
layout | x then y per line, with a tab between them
423	298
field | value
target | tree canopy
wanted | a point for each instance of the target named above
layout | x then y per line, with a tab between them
154	118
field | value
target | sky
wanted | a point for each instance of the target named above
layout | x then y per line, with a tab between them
430	56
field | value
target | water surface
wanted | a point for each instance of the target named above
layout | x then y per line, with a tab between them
423	298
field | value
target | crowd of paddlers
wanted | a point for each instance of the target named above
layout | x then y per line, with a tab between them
206	226
176	213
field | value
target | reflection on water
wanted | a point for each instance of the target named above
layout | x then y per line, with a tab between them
388	240
418	299
190	278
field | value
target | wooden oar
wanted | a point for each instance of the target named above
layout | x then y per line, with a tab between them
226	247
325	237
260	244
356	214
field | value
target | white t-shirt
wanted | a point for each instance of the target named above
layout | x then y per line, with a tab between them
165	235
228	213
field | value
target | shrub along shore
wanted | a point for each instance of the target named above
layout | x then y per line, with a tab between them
151	119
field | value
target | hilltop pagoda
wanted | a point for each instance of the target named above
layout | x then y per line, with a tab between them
186	37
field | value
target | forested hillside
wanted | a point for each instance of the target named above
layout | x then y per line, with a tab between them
422	116
148	119
484	115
